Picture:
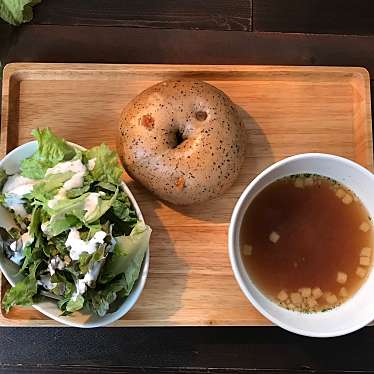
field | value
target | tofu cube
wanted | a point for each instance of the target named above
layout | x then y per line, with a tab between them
365	252
341	277
305	291
343	292
282	296
247	250
274	237
311	302
331	298
365	261
296	298
361	272
317	292
340	193
347	199
365	227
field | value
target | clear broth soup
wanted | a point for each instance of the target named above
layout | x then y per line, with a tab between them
306	242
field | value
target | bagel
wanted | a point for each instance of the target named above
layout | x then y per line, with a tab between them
183	140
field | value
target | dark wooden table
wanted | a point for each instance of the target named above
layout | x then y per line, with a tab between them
291	32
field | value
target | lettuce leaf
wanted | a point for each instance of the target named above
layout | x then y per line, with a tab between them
65	214
107	168
101	208
120	271
24	291
69	213
86	261
99	301
93	228
51	151
74	305
123	209
76	192
60	223
49	186
107	186
122	215
16	12
33	252
128	256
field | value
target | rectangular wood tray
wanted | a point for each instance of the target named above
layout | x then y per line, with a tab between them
287	110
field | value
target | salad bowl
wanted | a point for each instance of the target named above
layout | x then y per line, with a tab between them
48	306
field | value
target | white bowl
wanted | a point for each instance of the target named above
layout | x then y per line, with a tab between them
48	307
355	313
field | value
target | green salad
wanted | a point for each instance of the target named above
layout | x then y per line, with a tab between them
76	236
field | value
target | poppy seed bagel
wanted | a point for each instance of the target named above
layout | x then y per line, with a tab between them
183	140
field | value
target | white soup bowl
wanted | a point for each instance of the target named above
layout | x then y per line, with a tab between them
357	311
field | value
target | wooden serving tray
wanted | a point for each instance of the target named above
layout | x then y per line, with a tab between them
286	110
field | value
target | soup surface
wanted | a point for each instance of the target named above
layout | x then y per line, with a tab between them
306	242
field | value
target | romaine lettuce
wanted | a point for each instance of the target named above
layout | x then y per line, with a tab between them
106	166
24	291
51	151
128	256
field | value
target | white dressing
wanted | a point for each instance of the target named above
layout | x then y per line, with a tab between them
18	247
91	164
44	226
88	280
91	202
18	185
55	263
79	246
75	166
15	203
45	281
61	194
18	256
14	189
91	276
75	181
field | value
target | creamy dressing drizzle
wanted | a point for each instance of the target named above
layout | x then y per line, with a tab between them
14	189
79	246
88	280
75	166
55	263
75	181
91	202
91	164
45	281
18	247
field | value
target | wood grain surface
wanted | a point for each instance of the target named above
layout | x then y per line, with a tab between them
47	43
286	110
181	14
314	16
189	350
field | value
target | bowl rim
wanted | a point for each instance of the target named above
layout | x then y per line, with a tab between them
140	283
233	229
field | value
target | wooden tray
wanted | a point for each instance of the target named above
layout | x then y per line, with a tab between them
287	110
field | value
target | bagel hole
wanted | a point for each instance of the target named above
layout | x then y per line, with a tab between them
179	138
